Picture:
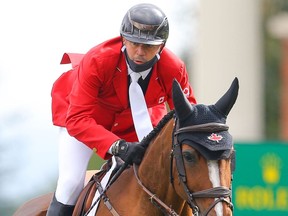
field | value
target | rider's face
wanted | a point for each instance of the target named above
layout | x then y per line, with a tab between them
141	53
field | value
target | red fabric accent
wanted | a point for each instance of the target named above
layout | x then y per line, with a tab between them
73	58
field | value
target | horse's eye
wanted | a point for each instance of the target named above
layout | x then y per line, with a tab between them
190	157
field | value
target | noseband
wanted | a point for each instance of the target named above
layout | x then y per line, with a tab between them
221	193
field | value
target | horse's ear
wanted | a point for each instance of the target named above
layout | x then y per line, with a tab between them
226	102
182	106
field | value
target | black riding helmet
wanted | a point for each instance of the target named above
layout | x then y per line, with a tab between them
146	24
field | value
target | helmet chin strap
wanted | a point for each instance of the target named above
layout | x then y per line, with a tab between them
140	67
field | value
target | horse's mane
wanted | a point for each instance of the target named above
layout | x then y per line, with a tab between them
147	139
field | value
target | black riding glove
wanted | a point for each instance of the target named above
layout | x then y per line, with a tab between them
130	152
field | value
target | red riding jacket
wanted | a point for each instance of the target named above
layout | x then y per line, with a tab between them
91	100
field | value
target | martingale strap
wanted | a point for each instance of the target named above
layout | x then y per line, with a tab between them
103	191
106	200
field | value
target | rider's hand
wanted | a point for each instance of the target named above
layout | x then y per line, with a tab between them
130	152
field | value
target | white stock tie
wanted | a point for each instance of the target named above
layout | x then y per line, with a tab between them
140	114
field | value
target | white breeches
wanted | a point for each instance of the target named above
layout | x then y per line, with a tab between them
74	157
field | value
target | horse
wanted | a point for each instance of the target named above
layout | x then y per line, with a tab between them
186	170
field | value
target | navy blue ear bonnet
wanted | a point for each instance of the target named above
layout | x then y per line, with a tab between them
213	144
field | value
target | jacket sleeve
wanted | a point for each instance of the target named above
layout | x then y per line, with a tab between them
182	77
80	121
62	87
186	86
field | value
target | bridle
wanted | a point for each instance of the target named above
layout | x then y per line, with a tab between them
221	193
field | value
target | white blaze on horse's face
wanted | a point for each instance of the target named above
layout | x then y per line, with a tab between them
214	177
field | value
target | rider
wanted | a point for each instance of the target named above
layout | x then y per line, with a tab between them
95	115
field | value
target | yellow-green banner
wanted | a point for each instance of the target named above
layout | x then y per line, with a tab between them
260	183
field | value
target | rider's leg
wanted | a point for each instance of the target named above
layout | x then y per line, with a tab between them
58	209
73	158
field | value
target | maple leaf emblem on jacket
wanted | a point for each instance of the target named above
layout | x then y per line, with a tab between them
215	137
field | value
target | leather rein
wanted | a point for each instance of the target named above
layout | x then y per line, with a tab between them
219	193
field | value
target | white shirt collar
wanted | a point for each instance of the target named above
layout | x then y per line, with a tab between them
143	74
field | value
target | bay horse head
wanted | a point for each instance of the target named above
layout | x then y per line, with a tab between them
203	152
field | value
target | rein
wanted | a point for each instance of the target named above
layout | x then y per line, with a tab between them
221	193
153	198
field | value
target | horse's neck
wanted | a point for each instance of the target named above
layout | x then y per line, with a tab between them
155	168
